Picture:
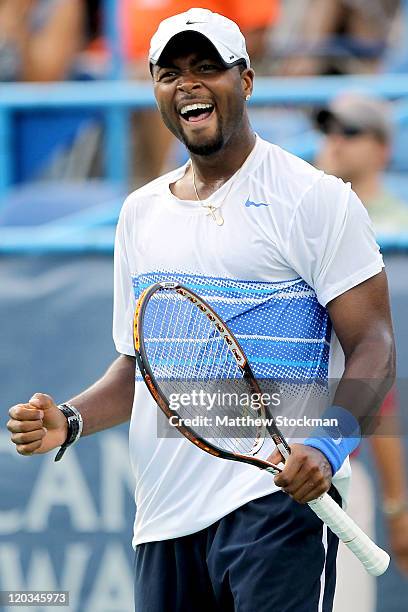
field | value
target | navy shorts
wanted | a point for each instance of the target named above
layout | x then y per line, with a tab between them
270	555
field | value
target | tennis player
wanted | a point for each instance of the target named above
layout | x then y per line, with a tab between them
285	254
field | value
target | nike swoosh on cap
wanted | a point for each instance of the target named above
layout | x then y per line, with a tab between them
193	22
249	203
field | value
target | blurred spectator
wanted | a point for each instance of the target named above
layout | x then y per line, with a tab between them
94	61
140	19
39	39
357	148
340	36
93	18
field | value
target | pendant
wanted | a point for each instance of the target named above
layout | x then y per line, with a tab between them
216	214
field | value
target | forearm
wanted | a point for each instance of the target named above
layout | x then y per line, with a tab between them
49	54
390	462
321	20
45	55
359	396
368	376
109	401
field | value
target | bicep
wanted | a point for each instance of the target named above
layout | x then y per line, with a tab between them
363	314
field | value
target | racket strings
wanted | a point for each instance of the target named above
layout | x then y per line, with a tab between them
188	357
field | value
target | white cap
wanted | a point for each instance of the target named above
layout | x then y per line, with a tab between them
223	33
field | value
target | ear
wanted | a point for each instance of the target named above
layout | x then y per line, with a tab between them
247	81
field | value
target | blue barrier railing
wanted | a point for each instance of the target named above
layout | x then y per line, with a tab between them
112	34
116	98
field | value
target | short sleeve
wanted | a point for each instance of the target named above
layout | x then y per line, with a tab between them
331	242
123	296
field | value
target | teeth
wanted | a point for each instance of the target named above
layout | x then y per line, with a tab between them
192	107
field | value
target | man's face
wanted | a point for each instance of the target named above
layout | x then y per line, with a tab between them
352	157
185	79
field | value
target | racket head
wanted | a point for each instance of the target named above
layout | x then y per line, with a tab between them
182	344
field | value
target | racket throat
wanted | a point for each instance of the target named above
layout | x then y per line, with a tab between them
282	447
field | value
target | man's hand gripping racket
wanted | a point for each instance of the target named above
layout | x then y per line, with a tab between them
181	344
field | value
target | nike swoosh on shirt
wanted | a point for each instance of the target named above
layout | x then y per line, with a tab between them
193	22
249	203
337	441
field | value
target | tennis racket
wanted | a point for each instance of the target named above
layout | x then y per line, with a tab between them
182	346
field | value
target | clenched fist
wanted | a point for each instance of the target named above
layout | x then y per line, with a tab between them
307	473
38	426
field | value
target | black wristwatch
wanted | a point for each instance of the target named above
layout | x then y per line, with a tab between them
75	424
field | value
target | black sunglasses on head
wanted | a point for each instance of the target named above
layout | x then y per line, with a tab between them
348	131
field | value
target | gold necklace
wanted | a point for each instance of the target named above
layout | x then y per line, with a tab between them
211	210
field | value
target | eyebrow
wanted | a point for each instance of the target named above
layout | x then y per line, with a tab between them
164	66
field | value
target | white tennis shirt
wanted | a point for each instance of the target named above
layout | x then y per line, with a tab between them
293	239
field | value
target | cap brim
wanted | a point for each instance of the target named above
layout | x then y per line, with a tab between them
227	58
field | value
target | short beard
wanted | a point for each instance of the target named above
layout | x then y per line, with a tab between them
208	148
199	149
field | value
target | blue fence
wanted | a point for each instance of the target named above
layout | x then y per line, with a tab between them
115	99
118	97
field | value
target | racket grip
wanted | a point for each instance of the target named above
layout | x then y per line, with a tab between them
374	558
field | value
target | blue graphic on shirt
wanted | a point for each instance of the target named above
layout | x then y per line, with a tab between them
249	203
281	326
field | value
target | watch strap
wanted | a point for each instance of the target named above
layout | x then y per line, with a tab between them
75	426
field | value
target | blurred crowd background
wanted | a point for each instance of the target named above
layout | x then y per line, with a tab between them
94	40
78	130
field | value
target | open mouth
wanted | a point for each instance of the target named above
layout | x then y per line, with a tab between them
193	113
